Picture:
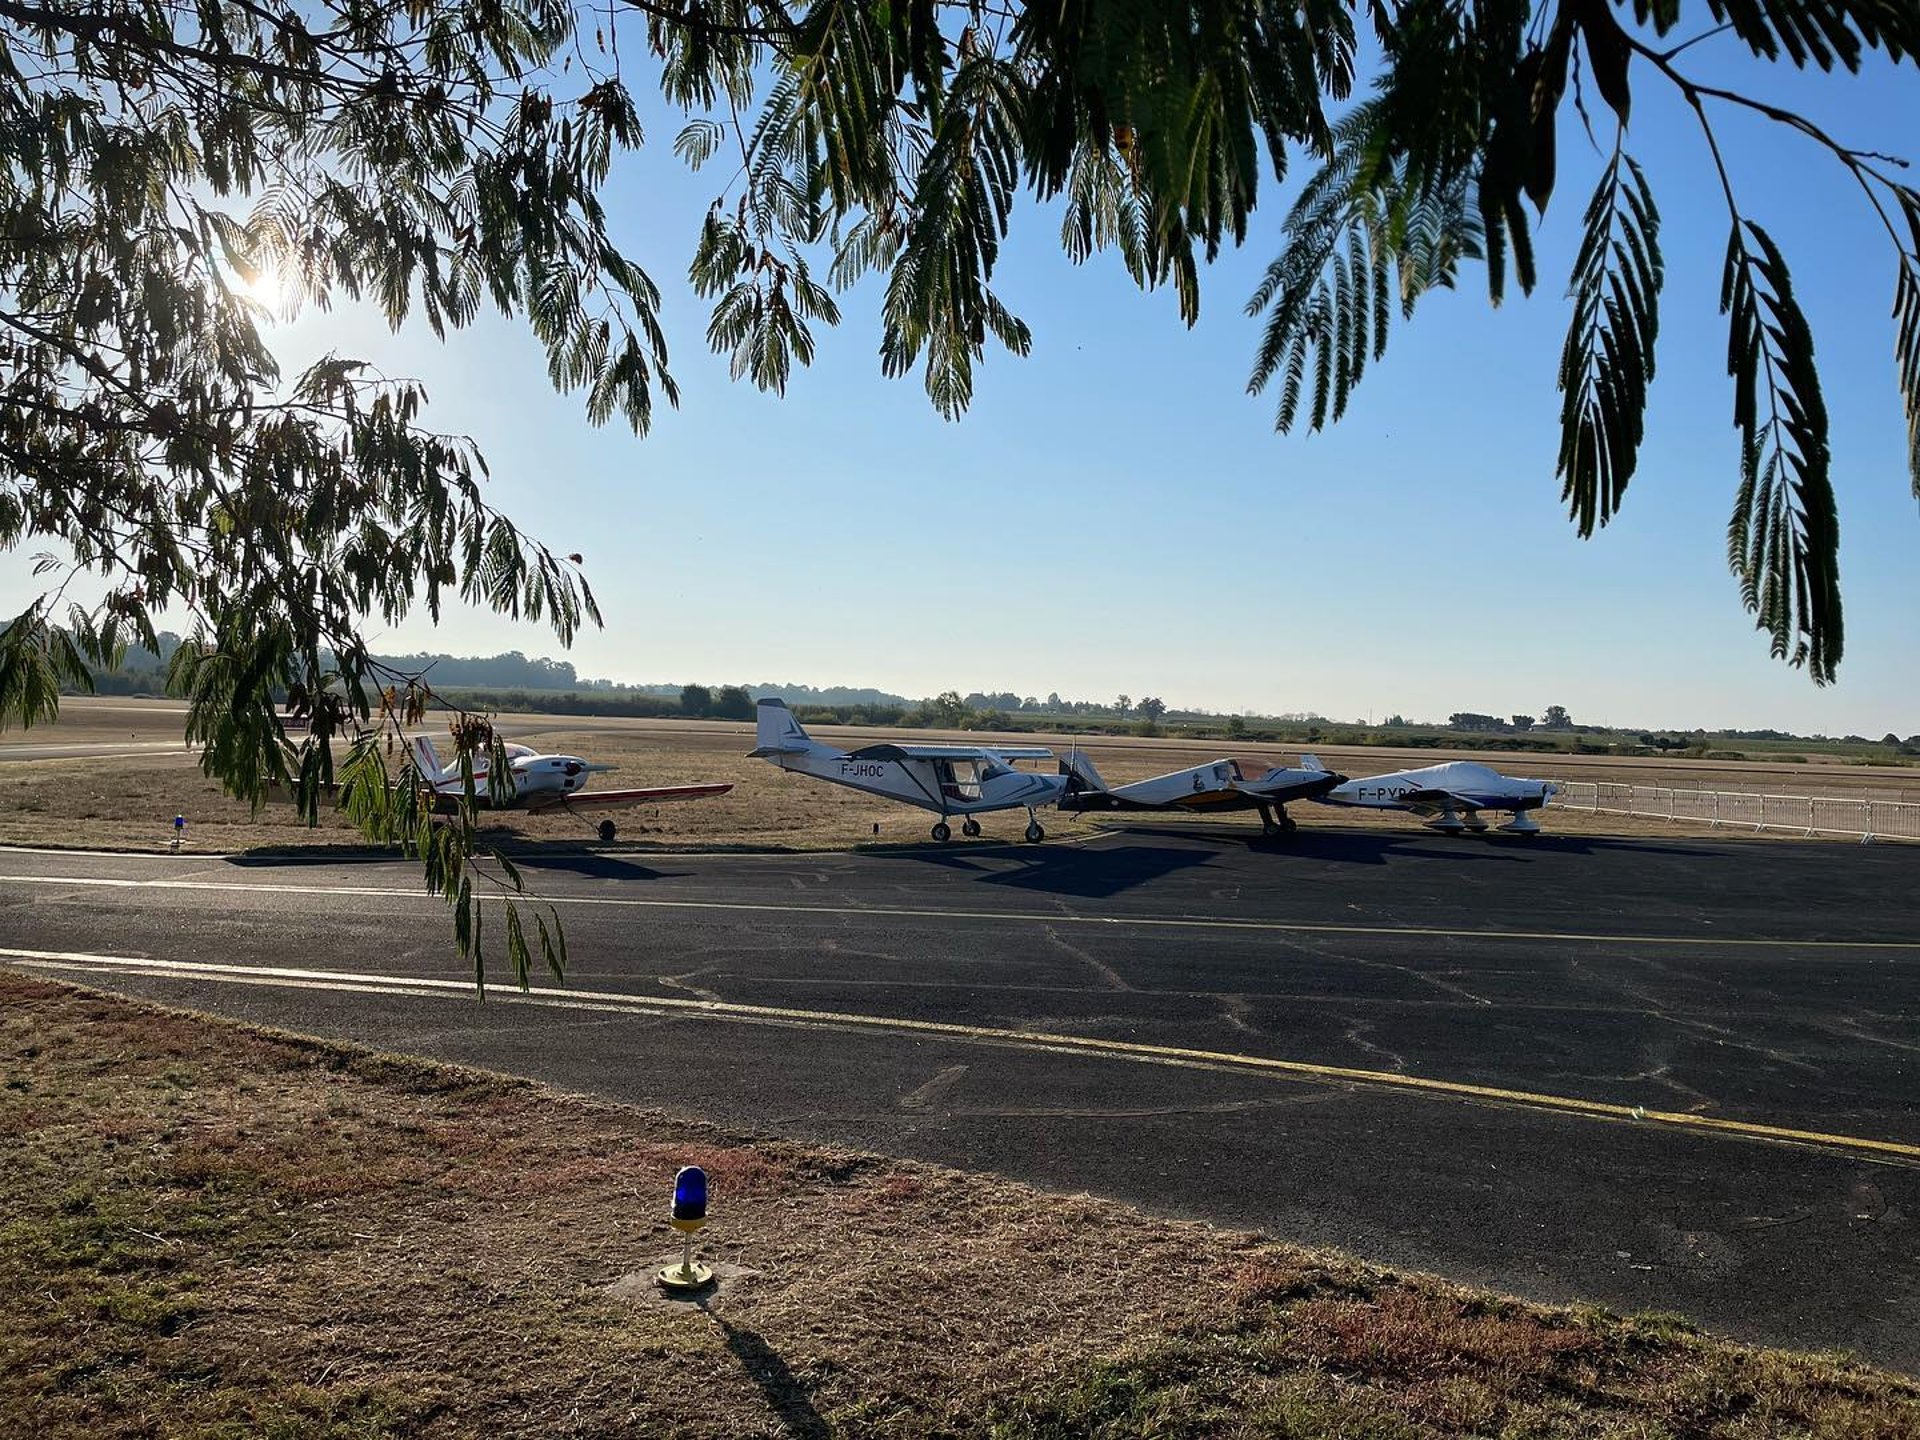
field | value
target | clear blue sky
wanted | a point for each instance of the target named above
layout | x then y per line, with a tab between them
1116	514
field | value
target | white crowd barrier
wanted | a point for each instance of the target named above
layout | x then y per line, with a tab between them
1863	819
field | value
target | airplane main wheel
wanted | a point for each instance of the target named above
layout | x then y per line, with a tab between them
942	833
1288	824
608	830
1034	833
970	828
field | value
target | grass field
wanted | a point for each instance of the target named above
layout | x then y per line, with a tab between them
130	801
207	1230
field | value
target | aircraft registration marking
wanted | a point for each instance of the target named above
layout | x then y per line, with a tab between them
1170	1055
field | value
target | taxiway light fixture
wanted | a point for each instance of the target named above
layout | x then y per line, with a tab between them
689	1215
179	830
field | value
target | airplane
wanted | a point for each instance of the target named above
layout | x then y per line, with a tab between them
548	782
947	779
1451	795
1219	785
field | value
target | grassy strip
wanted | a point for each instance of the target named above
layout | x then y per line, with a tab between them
208	1230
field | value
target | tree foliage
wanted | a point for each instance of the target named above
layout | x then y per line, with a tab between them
159	159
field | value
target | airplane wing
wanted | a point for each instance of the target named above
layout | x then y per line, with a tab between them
1291	785
643	795
952	752
1441	799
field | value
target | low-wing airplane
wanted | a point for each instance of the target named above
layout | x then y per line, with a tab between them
1218	785
946	779
548	782
1449	796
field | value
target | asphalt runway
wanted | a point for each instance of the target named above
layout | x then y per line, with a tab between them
1653	1074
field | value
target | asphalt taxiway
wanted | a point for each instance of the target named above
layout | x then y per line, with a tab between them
1654	1074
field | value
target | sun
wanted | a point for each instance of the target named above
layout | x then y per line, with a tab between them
262	285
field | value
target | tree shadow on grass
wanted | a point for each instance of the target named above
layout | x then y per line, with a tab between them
525	855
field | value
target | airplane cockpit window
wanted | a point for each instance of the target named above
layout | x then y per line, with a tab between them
959	779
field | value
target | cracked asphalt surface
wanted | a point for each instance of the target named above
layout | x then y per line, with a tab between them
1756	982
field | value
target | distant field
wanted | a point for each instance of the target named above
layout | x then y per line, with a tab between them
130	800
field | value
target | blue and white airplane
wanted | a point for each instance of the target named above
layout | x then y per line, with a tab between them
949	780
1450	797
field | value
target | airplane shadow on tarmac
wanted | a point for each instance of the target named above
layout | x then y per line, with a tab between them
1096	874
1058	870
1369	847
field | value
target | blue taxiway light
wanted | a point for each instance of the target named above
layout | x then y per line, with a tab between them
690	1194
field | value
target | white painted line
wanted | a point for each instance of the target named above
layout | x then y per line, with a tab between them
1029	917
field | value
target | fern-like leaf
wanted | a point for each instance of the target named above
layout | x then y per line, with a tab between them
1822	32
1363	229
1906	343
1607	363
1783	542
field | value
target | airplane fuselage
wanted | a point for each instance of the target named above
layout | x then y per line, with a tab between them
1469	785
536	778
945	787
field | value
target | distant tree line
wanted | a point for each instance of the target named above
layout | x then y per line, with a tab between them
514	682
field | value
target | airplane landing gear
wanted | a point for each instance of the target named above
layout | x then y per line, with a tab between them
941	833
608	830
1285	825
1034	833
970	827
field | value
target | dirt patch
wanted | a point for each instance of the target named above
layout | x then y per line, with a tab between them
211	1230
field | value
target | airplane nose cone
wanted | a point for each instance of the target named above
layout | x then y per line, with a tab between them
572	768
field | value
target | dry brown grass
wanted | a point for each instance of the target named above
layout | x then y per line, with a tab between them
130	801
209	1230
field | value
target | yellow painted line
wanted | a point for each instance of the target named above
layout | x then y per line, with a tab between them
1030	917
1170	1055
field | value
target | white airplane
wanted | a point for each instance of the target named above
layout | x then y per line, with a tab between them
946	779
1218	785
1450	796
548	782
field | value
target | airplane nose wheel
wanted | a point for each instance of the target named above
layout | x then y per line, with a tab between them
608	830
970	827
1034	833
942	833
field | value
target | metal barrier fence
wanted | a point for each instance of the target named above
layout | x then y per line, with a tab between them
1806	814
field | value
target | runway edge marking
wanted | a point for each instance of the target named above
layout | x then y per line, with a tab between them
903	912
1175	1055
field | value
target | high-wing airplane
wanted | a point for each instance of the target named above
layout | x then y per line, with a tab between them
1449	796
1218	785
549	782
946	779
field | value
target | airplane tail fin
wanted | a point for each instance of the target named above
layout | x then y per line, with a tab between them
1312	762
777	733
1082	778
427	759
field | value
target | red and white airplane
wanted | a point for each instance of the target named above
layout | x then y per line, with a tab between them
549	782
